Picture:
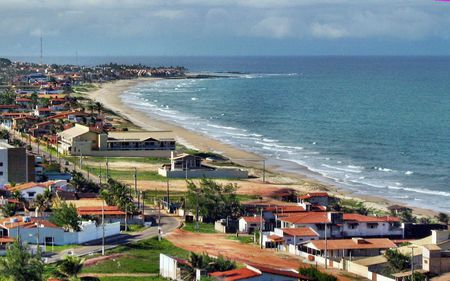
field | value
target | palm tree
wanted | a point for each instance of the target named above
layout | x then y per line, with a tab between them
20	265
18	196
8	209
443	218
99	107
69	267
43	201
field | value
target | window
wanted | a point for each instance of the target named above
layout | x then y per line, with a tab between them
1	164
372	225
31	194
353	225
1	173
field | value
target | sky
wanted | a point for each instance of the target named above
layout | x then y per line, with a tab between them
224	27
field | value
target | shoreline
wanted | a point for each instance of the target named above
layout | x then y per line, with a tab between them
109	95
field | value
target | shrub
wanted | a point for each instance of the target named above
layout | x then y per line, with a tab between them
315	274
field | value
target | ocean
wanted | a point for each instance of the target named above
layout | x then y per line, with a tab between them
371	125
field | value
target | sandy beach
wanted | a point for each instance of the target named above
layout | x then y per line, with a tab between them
109	95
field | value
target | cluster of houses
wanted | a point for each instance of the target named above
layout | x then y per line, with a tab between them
346	241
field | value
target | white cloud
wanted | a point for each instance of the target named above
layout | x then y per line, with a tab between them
276	27
328	31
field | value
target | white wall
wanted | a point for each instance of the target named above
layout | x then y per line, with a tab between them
168	267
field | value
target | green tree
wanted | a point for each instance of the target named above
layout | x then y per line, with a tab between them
20	265
9	209
397	261
118	194
66	216
98	106
443	218
18	196
316	275
407	216
215	201
69	267
43	201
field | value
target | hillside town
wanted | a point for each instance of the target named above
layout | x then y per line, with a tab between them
83	187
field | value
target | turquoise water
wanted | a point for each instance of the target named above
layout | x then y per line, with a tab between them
373	125
377	126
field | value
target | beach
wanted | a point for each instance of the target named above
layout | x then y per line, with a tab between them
109	94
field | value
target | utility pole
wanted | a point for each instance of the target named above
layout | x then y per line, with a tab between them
326	247
196	210
159	221
103	227
261	226
100	175
107	168
135	186
168	195
412	262
264	171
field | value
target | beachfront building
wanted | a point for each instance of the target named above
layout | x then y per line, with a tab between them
348	248
313	199
339	225
191	166
83	140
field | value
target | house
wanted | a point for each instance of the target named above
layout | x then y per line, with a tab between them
250	224
39	231
8	107
190	166
41	128
23	123
343	248
30	190
42	111
83	140
341	225
15	164
283	237
259	273
314	198
111	214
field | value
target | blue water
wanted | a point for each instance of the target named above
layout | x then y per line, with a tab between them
373	125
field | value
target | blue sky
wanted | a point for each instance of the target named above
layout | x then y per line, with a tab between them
225	27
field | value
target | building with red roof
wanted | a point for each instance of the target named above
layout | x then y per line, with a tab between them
250	224
257	272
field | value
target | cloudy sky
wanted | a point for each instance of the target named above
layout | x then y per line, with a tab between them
225	27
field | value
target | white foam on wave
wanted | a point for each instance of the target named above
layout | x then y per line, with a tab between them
350	170
408	173
381	169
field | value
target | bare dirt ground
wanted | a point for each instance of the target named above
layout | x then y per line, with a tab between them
219	244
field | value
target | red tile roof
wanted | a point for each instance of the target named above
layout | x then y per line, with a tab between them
6	106
252	219
26	186
6	239
107	210
306	218
275	238
280	272
355	243
6	222
313	194
300	231
362	218
235	274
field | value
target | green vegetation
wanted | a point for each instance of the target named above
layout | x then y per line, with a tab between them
202	227
135	228
118	194
124	278
316	274
60	248
138	257
69	268
124	174
20	265
397	262
147	160
245	239
214	200
8	209
206	263
66	216
442	218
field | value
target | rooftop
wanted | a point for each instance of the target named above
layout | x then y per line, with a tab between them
354	243
141	136
301	231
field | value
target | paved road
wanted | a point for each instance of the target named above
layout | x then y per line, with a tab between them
167	225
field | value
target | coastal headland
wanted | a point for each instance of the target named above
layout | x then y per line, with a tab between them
109	94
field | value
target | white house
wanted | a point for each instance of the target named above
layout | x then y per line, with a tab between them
281	238
30	190
250	224
34	230
340	225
